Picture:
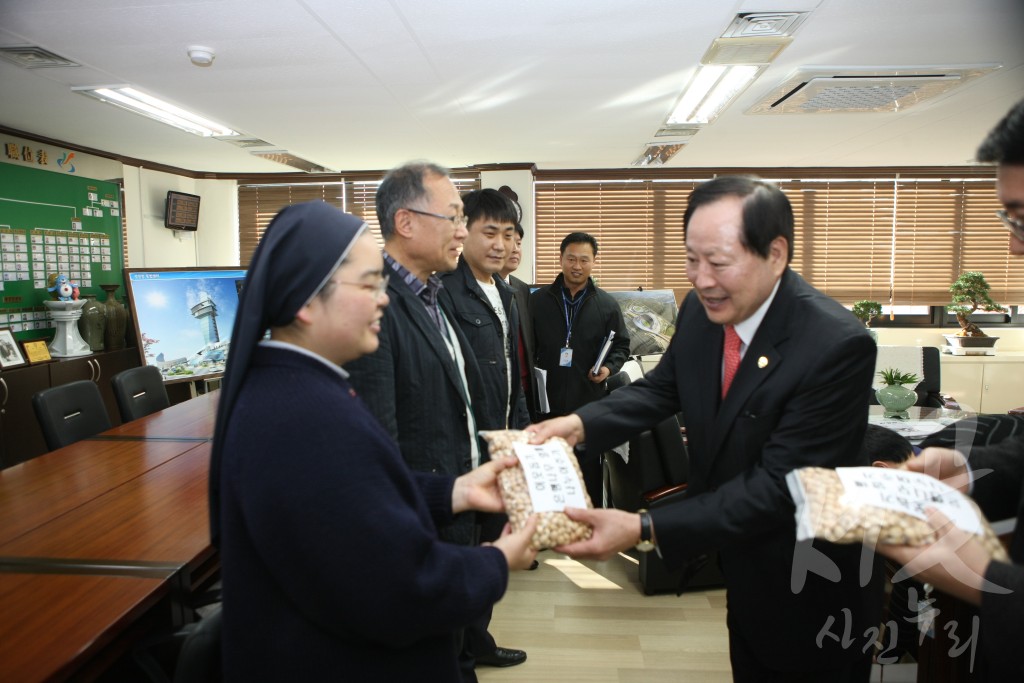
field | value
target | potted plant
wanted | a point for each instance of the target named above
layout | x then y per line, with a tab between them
866	311
895	397
970	294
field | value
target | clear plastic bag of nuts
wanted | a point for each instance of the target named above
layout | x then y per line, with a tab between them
875	505
554	528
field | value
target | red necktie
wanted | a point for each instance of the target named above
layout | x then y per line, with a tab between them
731	356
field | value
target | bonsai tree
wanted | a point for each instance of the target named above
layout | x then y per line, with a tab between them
970	294
866	311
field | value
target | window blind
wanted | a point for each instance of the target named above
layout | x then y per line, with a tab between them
259	203
889	235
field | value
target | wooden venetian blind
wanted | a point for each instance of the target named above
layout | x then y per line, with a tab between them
882	234
258	204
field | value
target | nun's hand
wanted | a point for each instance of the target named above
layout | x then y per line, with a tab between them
478	489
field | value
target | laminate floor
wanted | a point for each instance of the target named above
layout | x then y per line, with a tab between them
590	621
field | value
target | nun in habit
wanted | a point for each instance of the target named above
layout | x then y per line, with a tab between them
331	564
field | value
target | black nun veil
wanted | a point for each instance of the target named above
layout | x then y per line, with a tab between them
299	251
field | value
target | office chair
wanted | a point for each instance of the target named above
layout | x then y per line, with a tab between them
139	392
655	475
70	412
197	661
928	390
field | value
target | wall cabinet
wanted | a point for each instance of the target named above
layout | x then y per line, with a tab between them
20	436
986	384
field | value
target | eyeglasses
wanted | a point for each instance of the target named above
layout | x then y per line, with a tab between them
377	289
459	221
1014	225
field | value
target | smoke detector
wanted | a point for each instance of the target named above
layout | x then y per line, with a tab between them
201	56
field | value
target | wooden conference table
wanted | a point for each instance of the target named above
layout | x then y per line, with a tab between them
99	540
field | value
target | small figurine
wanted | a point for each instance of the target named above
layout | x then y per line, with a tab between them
62	288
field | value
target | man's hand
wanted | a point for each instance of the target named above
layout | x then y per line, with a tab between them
478	489
955	563
601	375
614	530
945	464
516	544
569	428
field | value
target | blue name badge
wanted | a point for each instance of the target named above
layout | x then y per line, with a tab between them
565	358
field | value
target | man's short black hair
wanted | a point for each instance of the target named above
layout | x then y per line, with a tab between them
578	238
488	204
1005	144
881	443
767	213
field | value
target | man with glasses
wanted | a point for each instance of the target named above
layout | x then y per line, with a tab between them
993	475
423	383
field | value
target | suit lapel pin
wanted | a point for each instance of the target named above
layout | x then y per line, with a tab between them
762	362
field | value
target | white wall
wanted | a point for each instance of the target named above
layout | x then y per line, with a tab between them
522	183
151	245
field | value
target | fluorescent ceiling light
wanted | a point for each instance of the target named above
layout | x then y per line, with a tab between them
154	108
711	90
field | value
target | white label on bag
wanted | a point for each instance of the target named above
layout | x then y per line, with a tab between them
550	477
909	492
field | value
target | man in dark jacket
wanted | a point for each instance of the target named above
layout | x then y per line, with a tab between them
423	382
571	319
993	474
484	305
521	291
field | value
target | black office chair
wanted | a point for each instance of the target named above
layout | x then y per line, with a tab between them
656	475
928	390
197	661
139	392
70	412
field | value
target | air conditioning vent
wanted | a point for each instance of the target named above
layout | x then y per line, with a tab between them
288	159
32	57
817	90
245	142
756	24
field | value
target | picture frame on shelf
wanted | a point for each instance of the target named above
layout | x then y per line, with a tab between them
10	353
36	351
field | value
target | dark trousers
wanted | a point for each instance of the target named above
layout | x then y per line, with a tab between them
477	640
746	668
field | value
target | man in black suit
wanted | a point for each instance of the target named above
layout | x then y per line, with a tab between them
770	375
993	475
423	381
521	291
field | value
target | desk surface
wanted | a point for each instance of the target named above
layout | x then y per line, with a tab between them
46	487
192	420
96	533
54	623
159	516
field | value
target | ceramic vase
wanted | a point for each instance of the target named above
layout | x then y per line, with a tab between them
93	323
117	318
895	398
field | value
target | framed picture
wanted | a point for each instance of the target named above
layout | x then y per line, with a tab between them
10	352
36	351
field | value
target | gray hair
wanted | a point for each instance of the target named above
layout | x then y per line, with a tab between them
402	187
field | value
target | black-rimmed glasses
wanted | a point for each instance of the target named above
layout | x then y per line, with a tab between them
459	221
1014	225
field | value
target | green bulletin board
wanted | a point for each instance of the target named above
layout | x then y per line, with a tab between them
54	223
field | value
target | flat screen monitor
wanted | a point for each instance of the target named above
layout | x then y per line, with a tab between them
183	318
181	211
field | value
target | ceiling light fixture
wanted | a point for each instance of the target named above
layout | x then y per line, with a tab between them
712	88
138	102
